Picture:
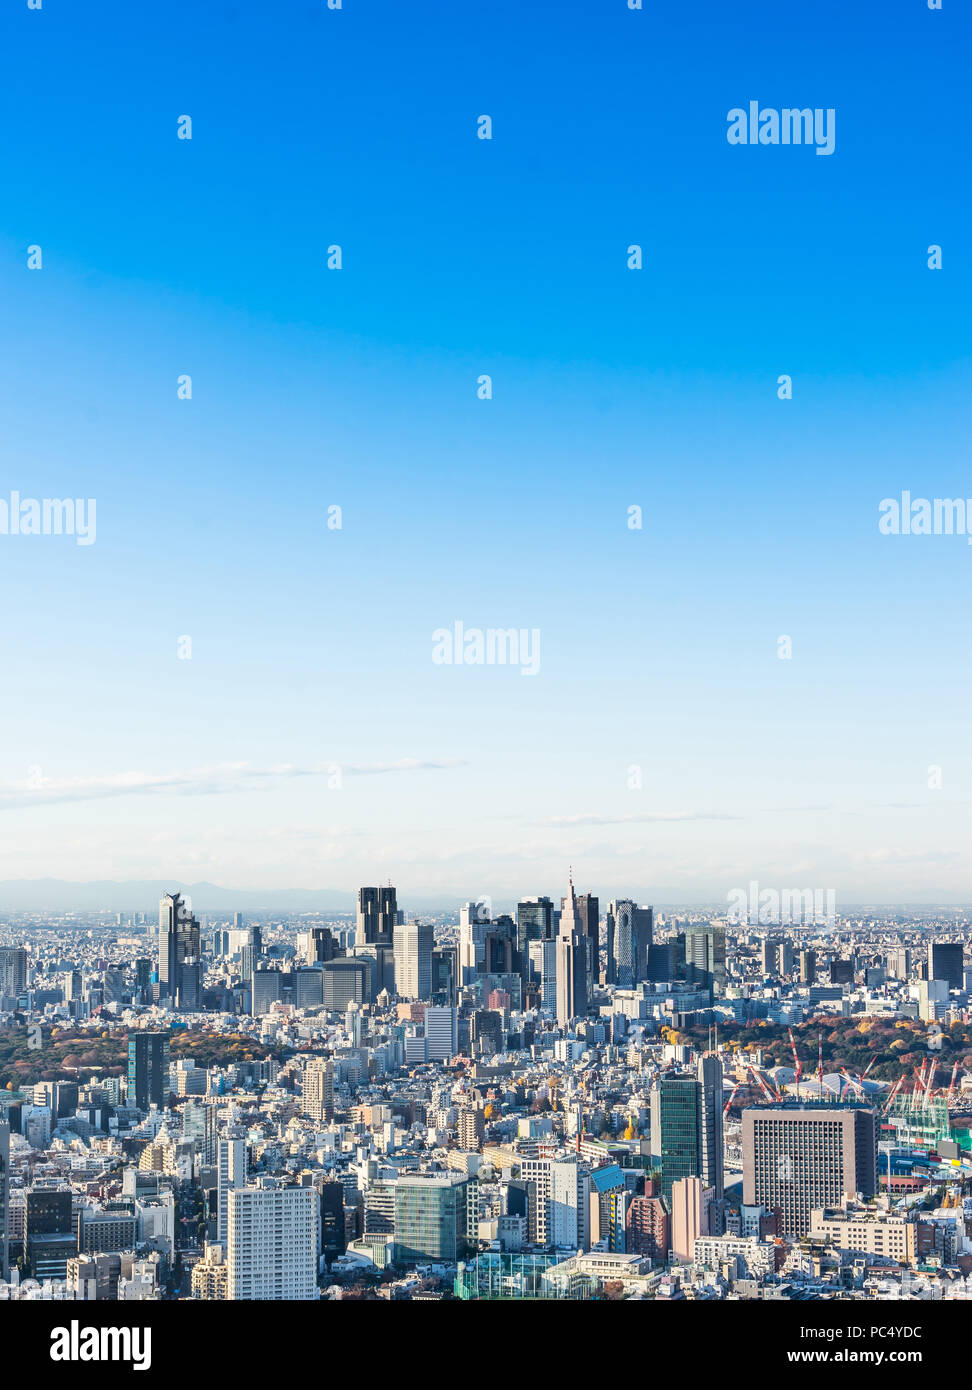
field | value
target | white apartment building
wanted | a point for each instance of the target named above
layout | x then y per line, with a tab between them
273	1243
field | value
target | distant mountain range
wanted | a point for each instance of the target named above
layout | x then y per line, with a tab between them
142	895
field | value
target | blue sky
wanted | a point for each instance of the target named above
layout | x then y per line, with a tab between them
612	388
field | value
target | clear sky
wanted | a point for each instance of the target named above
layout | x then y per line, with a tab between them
612	388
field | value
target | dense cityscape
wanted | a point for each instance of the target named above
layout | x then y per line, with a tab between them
561	1101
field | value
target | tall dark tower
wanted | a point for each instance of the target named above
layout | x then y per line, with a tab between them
179	948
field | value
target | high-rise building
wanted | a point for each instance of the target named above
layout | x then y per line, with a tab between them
572	990
444	975
4	1201
808	967
712	1171
945	962
441	1032
413	960
273	1243
588	913
376	917
689	1215
317	1090
199	1124
346	979
231	1174
534	922
676	1128
179	949
800	1159
705	955
471	1127
13	971
629	940
433	1217
148	1069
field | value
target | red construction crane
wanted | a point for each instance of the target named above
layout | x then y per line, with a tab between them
796	1062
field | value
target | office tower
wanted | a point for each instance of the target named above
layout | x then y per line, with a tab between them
534	922
800	1159
345	979
808	967
376	917
248	960
676	1128
50	1234
322	945
712	1172
273	1240
473	926
13	971
317	1091
441	1032
266	988
178	948
842	972
74	986
543	967
705	955
620	939
485	1032
143	975
932	1000
571	962
444	974
199	1125
4	1201
333	1238
413	960
148	1069
568	1210
114	985
899	962
434	1214
588	913
945	962
232	1174
661	965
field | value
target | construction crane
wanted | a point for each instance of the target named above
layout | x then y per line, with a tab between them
891	1095
951	1083
796	1062
820	1062
732	1097
761	1083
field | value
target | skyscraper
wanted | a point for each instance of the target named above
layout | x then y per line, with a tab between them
232	1174
4	1201
376	918
178	953
799	1159
945	962
273	1241
709	1071
148	1069
13	971
676	1128
629	939
588	912
433	1217
413	960
572	942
